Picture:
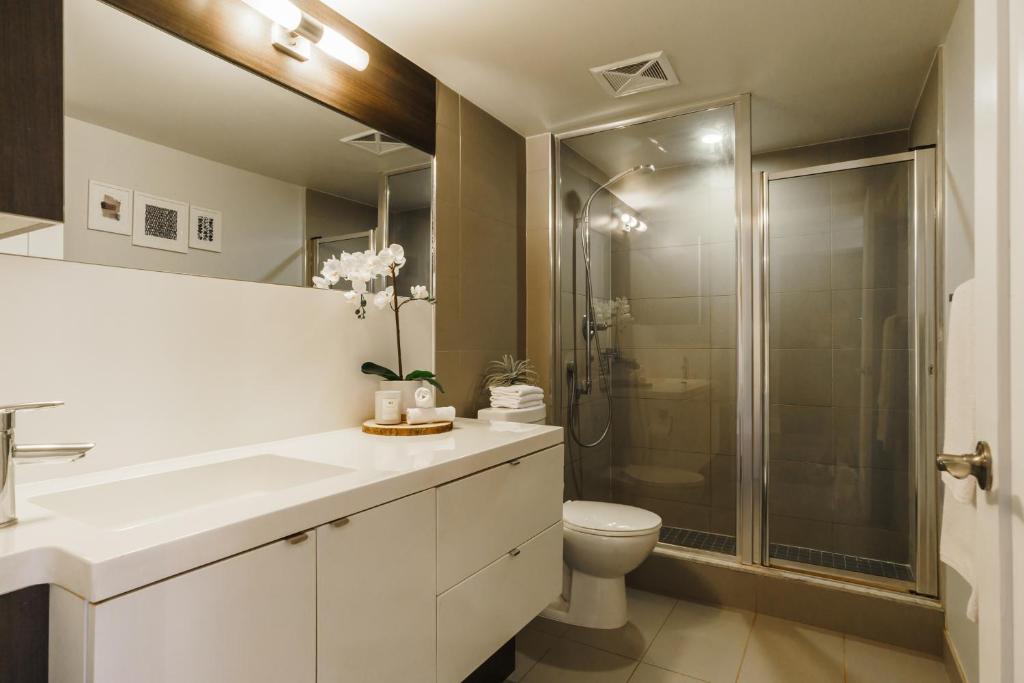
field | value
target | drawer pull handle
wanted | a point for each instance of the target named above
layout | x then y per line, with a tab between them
295	539
340	522
513	463
514	552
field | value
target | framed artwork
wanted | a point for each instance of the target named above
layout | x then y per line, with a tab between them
160	223
110	208
205	228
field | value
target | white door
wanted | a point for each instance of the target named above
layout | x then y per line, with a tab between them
999	332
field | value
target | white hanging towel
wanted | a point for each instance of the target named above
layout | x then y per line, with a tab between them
956	544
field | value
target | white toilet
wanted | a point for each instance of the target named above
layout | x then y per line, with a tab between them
602	543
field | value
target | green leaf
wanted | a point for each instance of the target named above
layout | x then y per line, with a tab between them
420	374
379	370
426	376
435	383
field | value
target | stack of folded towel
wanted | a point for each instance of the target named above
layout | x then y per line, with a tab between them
517	396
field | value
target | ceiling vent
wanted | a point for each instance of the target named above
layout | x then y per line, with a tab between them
375	142
639	74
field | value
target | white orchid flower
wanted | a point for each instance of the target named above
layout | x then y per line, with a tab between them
419	292
398	252
358	286
321	283
351	297
333	270
382	299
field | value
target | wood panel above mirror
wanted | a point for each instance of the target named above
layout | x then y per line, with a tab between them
392	94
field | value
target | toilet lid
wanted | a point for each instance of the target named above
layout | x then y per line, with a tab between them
608	519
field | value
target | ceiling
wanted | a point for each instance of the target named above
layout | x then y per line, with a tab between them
123	74
817	70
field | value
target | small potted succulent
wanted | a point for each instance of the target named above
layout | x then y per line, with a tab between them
359	270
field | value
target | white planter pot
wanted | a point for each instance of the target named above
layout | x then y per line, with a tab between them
408	388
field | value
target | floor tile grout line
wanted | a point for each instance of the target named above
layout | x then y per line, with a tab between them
746	646
673	671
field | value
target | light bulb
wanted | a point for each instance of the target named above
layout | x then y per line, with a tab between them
711	138
281	12
343	49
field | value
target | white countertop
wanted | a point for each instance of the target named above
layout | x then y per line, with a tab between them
98	563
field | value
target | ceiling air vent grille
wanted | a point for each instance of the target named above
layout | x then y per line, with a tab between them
638	74
375	142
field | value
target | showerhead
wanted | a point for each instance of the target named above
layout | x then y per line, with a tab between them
640	168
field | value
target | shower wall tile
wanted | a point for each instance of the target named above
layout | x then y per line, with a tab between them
800	206
663	474
723	521
800	262
801	434
659	273
801	320
673	363
672	512
723	482
803	490
877	378
723	375
663	424
865	258
723	322
719	262
723	427
801	377
869	317
870	438
871	497
672	323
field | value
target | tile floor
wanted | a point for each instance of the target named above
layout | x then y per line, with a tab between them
674	641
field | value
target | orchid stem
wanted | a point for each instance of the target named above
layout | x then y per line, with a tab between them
398	327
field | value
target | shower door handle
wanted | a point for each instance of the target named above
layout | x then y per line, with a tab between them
978	463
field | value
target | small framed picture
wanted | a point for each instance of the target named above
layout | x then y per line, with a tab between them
160	223
205	228
110	208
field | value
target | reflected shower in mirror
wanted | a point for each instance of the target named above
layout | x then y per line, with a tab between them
177	160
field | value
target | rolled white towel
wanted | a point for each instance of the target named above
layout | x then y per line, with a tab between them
517	391
529	402
418	416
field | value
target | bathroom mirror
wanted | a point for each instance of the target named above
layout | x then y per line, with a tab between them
177	160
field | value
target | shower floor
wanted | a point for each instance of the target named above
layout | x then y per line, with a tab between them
722	543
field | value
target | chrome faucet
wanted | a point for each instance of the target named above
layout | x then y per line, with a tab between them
11	453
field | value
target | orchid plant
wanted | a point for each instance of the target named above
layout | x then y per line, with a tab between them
359	269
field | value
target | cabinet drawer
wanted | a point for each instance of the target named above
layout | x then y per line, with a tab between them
481	517
482	613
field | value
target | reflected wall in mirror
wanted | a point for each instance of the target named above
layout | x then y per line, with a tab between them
241	163
409	198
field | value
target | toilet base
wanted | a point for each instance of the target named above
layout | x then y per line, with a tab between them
594	602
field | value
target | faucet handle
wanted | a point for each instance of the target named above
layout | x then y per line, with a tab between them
29	406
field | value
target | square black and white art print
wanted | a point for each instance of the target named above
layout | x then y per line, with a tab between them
205	229
160	223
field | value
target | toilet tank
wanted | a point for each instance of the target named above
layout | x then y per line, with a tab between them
536	415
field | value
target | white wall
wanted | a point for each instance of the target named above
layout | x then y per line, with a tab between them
958	111
264	233
155	365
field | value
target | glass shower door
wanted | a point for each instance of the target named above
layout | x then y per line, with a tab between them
848	386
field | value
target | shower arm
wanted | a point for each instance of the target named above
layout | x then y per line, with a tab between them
589	324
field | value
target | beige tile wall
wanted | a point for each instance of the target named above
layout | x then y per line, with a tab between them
481	250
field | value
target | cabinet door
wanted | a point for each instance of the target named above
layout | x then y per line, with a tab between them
246	619
375	594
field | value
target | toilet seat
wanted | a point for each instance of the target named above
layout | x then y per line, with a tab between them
608	519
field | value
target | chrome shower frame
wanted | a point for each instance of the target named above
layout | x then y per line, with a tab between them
748	481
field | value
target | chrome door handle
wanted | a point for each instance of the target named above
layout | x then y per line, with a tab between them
978	463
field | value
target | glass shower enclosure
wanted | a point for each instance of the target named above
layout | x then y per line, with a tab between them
761	379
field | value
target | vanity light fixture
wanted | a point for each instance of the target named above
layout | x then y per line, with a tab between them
294	31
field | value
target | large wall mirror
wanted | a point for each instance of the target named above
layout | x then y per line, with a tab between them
178	160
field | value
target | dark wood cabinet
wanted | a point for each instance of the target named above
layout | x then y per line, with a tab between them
32	113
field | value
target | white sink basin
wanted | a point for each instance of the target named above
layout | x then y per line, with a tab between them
133	502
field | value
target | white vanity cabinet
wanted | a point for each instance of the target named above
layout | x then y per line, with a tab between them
375	594
246	619
421	589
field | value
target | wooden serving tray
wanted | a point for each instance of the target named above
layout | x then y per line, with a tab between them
403	429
